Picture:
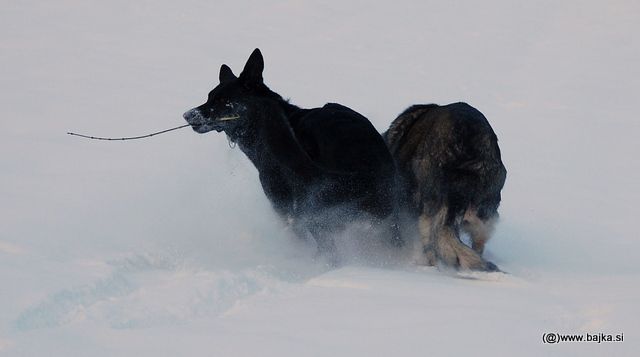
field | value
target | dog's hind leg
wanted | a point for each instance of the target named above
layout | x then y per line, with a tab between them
428	239
479	229
450	250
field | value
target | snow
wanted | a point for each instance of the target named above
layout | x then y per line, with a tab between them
167	246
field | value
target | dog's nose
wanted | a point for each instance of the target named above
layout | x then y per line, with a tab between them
189	116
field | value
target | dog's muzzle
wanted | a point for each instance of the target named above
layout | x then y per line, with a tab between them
198	122
201	124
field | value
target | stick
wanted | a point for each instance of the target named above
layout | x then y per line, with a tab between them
130	137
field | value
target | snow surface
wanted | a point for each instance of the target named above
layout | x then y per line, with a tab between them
168	247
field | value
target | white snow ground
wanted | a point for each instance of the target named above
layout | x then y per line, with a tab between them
167	246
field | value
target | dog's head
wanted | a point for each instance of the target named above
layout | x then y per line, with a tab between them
227	107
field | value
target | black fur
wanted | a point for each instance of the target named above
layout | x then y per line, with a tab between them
321	167
449	162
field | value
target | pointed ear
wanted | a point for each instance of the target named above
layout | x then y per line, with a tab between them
252	71
226	74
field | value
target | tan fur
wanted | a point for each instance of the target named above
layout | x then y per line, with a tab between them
441	242
427	235
479	230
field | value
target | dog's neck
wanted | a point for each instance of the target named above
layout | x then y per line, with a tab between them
271	142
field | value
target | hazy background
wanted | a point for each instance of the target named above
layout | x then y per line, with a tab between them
168	245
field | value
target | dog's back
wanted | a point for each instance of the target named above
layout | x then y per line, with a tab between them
341	140
357	169
449	161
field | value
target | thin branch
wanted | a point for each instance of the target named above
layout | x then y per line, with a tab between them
130	137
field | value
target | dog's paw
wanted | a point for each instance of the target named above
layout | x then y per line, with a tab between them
453	253
492	268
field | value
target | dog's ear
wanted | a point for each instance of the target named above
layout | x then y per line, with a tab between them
226	74
252	72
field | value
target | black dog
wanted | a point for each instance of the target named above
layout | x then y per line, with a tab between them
449	162
320	168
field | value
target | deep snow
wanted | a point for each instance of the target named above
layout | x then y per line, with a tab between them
167	246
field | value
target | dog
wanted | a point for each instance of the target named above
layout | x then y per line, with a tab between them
452	174
320	168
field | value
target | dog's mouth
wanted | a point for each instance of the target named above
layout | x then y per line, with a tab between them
215	125
199	128
205	128
200	124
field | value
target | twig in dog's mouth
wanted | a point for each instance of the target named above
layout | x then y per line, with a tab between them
129	137
233	117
